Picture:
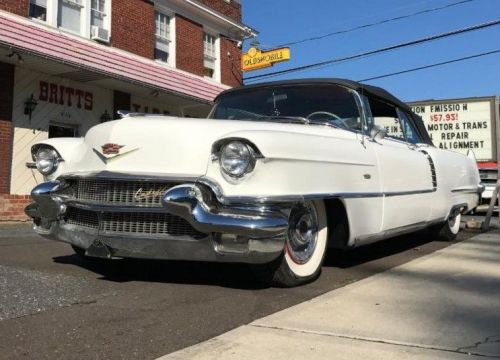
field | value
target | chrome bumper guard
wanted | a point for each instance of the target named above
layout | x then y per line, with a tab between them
250	234
192	203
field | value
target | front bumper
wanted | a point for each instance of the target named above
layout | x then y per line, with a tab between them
244	233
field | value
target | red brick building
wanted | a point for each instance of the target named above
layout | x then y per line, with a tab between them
66	65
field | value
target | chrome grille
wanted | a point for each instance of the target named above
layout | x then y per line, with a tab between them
119	192
148	223
144	223
82	218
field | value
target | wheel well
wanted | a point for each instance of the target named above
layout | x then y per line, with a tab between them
338	223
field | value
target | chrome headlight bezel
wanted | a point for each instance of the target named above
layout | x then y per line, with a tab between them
46	159
236	158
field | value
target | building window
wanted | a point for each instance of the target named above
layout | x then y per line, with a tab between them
69	17
163	37
38	9
209	56
62	130
98	9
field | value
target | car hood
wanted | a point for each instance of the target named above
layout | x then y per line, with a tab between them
159	145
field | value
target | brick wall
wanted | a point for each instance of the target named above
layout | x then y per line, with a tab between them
189	39
12	207
6	128
19	7
230	63
133	26
232	10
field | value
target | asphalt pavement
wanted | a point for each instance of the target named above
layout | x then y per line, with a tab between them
54	304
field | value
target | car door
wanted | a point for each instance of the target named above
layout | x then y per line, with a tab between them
405	169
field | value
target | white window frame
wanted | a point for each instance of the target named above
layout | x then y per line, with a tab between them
104	14
85	16
171	41
216	58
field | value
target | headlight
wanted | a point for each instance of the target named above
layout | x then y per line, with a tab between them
47	160
236	158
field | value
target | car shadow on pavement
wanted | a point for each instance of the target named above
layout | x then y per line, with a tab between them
387	248
182	272
240	276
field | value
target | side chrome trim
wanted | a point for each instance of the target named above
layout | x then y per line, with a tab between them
227	200
476	190
432	166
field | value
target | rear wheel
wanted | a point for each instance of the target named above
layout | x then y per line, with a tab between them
448	230
305	248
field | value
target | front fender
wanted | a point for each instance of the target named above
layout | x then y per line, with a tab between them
68	148
301	163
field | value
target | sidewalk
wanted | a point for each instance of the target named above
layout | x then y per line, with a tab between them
442	306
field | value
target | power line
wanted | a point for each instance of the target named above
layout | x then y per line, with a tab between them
385	21
431	65
378	51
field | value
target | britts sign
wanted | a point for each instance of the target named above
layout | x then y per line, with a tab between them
460	126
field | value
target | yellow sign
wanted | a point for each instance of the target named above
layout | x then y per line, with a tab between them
255	59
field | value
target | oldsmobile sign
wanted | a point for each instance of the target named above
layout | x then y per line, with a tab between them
256	59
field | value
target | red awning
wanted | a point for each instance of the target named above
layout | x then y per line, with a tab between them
23	35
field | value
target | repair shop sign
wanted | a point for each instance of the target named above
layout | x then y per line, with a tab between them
460	126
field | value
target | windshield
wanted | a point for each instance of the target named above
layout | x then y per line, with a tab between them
330	104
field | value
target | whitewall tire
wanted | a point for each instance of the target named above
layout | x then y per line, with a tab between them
305	246
448	230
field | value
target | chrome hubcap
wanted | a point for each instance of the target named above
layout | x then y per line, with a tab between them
302	233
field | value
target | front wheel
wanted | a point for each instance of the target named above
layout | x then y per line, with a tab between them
305	248
78	250
448	230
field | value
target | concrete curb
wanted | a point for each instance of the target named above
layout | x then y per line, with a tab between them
441	306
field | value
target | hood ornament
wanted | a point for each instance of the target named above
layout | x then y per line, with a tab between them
110	151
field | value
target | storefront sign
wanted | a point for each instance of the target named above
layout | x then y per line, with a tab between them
460	126
256	59
65	95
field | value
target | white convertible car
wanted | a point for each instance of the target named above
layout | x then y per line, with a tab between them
279	174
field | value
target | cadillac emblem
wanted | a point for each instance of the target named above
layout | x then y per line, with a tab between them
111	149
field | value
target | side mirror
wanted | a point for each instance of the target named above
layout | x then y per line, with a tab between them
377	133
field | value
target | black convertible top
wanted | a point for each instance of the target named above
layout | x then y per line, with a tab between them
373	91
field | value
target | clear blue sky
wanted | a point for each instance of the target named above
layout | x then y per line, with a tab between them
281	21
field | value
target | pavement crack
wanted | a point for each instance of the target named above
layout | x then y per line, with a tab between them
487	340
388	342
84	302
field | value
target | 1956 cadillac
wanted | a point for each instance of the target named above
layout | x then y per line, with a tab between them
279	174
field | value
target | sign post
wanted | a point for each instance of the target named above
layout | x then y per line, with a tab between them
494	197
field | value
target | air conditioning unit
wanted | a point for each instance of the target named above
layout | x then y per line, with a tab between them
99	34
